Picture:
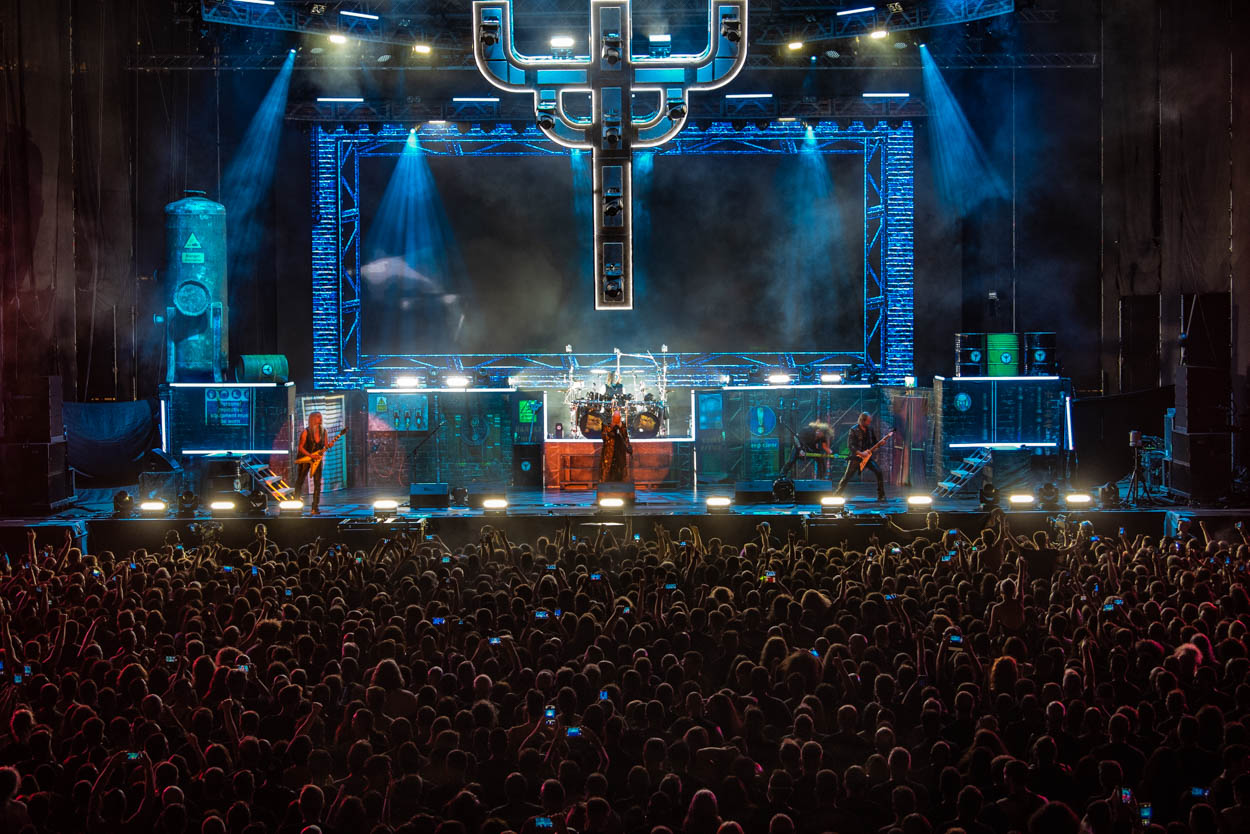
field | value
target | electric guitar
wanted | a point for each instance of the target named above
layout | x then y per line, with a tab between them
866	455
318	458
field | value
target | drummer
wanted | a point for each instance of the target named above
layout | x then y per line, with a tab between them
613	388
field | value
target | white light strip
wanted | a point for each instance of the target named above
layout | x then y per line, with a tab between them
256	2
1002	445
633	440
886	95
477	99
362	15
1067	416
223	385
748	95
340	100
999	378
780	387
234	451
164	428
860	10
439	390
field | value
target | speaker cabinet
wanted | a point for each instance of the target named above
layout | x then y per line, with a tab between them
35	413
37	477
527	466
1203	394
429	496
1202	467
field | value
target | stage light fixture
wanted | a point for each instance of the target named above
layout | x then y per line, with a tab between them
613	205
783	490
794	46
188	503
495	506
338	39
718	504
878	34
988	496
222	507
611	51
290	507
920	500
1109	496
546	119
832	504
1047	496
123	505
676	109
660	46
731	29
562	42
909	382
1020	500
153	509
611	503
456	381
858	10
1079	499
385	508
460	497
361	15
422	48
612	135
778	379
257	502
407	381
831	379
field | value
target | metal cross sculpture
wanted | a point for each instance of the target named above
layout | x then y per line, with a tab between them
619	121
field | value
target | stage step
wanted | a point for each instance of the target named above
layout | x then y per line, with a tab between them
959	477
266	479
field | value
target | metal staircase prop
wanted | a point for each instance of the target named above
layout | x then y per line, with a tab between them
265	478
962	474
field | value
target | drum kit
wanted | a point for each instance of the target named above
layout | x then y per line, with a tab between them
644	416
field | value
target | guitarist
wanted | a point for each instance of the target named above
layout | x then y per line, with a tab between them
312	444
861	439
812	439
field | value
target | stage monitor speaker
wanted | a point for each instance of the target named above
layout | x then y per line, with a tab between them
527	465
219	476
161	477
35	412
37	477
616	489
753	492
1203	394
1202	467
429	496
1039	354
1002	354
970	356
810	492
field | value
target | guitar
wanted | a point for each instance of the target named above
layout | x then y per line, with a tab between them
866	455
317	458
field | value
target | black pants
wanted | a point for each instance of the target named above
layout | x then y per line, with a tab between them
852	468
793	463
302	475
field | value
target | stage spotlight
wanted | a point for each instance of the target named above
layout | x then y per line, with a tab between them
988	495
385	508
718	504
488	32
407	381
613	205
422	48
495	506
338	39
188	503
546	119
460	497
832	504
153	509
290	507
831	379
778	379
257	502
1048	496
123	505
909	382
783	490
919	500
611	503
676	110
794	46
222	507
660	45
456	381
731	29
879	34
1109	496
1079	499
612	135
611	51
1020	500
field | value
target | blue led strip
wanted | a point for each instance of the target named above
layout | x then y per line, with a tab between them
889	223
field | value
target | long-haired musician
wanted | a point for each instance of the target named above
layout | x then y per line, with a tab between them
812	439
312	445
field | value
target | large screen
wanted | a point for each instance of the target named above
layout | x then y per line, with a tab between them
493	255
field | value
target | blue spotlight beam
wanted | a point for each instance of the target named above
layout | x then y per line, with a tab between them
965	177
611	75
887	150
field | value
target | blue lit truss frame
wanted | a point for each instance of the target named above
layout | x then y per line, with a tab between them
889	305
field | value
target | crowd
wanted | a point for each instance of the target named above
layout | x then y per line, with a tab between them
661	683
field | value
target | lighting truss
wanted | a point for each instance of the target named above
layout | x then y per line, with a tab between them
887	153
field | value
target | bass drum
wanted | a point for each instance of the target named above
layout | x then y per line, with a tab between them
590	420
646	421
